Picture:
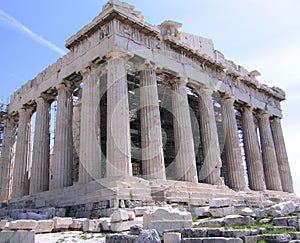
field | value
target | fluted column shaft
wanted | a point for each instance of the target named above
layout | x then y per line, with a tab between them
22	153
63	146
39	180
90	144
281	154
272	176
210	170
236	179
184	143
118	127
5	160
152	153
253	156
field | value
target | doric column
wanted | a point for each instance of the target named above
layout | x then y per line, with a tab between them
118	127
63	146
272	176
183	136
39	180
20	180
210	170
6	157
253	156
281	154
90	145
236	179
153	165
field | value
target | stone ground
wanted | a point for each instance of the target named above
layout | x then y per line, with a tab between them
70	236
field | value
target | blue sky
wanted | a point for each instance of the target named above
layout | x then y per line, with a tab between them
262	35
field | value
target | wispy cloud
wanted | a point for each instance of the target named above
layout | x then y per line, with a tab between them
14	23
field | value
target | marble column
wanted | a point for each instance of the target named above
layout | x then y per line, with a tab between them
281	154
20	180
234	163
90	144
39	180
210	170
184	144
272	176
253	156
153	165
118	126
63	143
6	158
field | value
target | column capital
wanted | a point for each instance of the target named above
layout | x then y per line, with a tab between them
117	53
45	97
263	113
247	107
180	80
205	90
147	65
227	99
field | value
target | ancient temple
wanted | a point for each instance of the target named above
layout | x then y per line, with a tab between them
141	113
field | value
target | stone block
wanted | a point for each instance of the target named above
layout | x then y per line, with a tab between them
236	220
282	209
222	240
23	225
62	223
215	232
260	213
17	237
3	224
295	235
211	223
281	221
219	203
111	238
139	211
122	226
277	238
166	219
77	224
105	224
44	226
194	233
172	237
202	212
35	216
247	212
236	233
131	215
148	236
221	212
251	239
92	225
294	221
119	215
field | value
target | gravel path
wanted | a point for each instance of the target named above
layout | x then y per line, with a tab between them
68	237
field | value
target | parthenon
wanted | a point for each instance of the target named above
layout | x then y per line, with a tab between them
138	109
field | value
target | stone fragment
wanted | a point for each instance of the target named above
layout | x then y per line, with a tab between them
295	235
221	212
22	216
235	220
172	237
111	238
212	240
148	236
265	221
251	239
23	225
62	223
282	209
237	233
165	218
44	226
77	224
17	237
92	226
139	211
136	229
247	212
276	238
131	215
119	215
219	203
215	232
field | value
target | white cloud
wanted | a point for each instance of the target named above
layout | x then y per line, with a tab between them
14	23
